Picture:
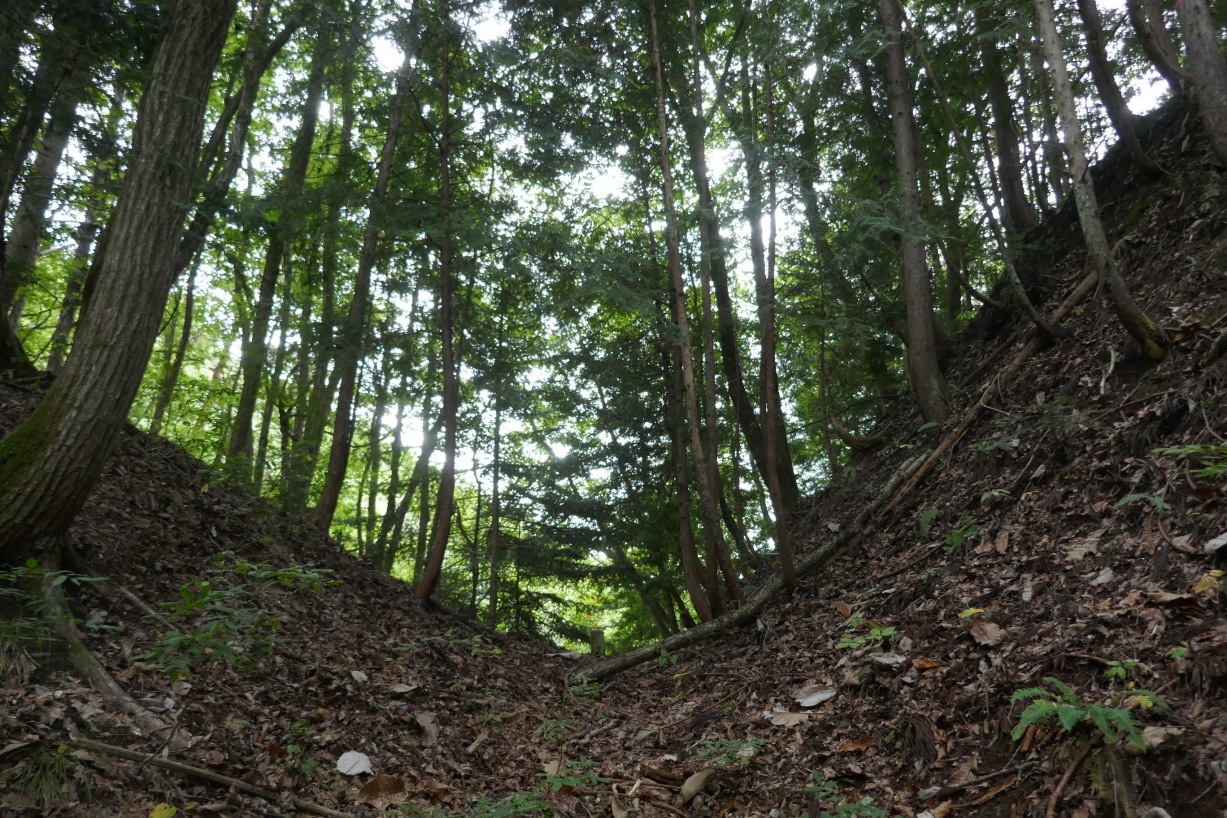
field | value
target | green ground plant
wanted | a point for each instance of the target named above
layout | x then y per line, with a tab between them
217	624
1060	703
729	752
824	790
1211	457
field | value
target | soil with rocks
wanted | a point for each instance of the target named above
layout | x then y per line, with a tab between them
1036	629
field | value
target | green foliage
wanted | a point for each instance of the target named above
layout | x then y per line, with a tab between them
1178	652
576	774
24	614
217	625
926	521
1121	669
1212	458
1157	503
665	658
49	776
731	752
1061	703
876	636
824	790
960	531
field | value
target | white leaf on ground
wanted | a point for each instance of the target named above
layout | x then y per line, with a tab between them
354	763
358	675
813	695
694	785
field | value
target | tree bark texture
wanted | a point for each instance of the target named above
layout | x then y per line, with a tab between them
50	462
920	335
1209	69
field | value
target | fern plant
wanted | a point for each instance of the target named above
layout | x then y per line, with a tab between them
1059	702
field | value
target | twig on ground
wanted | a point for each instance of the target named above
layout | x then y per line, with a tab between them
1060	788
207	775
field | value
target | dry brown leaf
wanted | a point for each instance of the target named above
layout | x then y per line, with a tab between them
429	725
986	632
381	785
844	608
782	718
857	746
924	664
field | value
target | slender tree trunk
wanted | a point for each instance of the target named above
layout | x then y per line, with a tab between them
25	239
272	398
920	330
1149	335
1109	92
445	498
1209	69
496	508
350	352
254	353
1019	215
770	399
713	529
50	462
167	388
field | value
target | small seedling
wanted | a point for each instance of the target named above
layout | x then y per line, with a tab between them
1178	652
863	807
1157	503
731	752
1121	670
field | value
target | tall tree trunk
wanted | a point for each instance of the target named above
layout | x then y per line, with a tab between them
1018	213
167	388
1109	92
25	239
1149	335
770	398
1209	69
51	461
712	527
350	352
494	544
445	498
920	328
255	351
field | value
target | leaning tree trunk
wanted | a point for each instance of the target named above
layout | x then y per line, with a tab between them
1146	17
51	461
920	335
1149	335
1109	92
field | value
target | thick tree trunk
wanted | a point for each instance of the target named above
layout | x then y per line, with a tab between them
50	462
1209	69
1149	335
920	329
1146	16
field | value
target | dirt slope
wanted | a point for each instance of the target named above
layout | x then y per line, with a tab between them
891	673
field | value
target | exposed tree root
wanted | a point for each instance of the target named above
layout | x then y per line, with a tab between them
748	612
87	665
208	775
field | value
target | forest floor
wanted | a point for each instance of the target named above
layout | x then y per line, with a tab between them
1053	543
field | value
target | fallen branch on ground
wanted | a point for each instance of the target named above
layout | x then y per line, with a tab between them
748	612
208	775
